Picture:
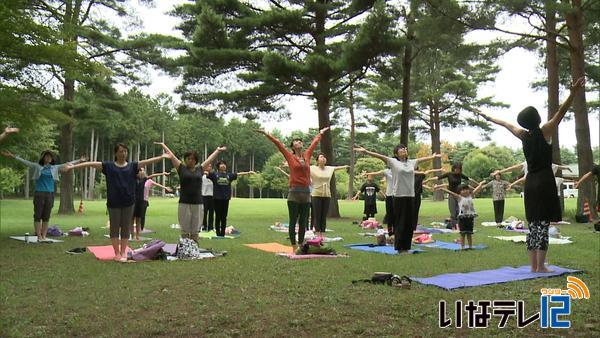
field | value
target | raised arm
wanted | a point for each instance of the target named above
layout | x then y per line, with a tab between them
550	127
441	187
174	160
213	156
583	178
8	154
286	153
370	153
7	131
145	162
315	142
519	181
283	171
478	188
428	158
158	174
518	132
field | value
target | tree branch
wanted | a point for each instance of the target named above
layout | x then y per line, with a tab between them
87	12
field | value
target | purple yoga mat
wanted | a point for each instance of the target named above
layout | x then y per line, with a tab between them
504	274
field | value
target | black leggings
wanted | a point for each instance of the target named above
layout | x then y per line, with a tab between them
416	211
389	214
320	207
221	209
298	214
403	222
499	211
208	220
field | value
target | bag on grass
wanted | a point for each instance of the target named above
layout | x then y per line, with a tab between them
54	231
149	251
188	249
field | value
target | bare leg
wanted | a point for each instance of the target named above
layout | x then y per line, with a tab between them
470	240
38	229
124	242
462	241
115	245
44	230
138	228
533	260
541	258
194	237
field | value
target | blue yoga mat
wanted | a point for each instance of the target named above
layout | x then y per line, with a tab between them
436	230
384	249
449	246
504	274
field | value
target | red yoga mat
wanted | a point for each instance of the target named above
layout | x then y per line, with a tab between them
104	252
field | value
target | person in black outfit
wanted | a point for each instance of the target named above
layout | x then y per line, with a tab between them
369	191
542	205
222	194
419	185
455	179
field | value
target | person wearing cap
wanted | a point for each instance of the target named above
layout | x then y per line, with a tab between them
403	181
44	173
542	205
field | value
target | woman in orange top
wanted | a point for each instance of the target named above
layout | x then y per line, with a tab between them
299	182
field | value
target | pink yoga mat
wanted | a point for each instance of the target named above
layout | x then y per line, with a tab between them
104	252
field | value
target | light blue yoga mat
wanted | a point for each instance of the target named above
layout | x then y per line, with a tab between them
450	281
384	249
449	246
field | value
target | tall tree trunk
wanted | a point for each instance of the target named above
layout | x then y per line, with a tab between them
323	97
406	76
352	141
27	180
70	41
436	147
574	18
251	194
553	81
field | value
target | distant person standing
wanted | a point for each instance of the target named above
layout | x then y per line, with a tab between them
499	188
369	191
208	220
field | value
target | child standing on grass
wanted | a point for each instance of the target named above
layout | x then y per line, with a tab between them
369	191
466	211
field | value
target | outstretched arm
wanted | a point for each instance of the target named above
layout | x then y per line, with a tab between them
242	173
427	172
583	178
8	154
69	166
212	156
478	188
518	132
158	174
161	186
440	187
428	158
550	127
511	168
286	153
519	181
370	153
145	162
8	131
174	160
374	173
342	167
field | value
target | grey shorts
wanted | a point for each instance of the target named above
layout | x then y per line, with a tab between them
120	221
190	217
42	206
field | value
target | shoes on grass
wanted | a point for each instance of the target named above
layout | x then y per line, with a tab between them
76	251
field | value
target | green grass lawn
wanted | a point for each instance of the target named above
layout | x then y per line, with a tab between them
46	292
